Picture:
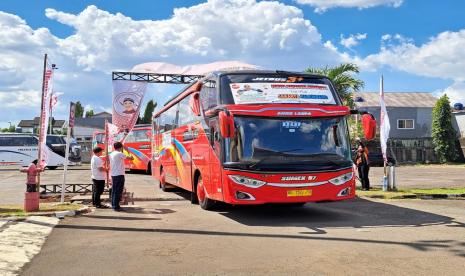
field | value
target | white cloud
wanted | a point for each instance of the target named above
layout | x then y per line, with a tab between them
442	56
269	34
323	5
455	92
352	40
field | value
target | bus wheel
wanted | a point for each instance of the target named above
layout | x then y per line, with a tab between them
52	167
204	202
149	169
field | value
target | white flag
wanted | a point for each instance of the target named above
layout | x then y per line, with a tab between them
384	126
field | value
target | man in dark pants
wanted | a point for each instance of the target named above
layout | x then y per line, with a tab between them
117	158
98	177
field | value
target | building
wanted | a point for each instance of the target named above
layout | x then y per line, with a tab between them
410	116
32	126
84	128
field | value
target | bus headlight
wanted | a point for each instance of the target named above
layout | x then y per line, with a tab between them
246	181
342	179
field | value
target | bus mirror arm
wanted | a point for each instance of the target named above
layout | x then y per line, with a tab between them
226	121
194	103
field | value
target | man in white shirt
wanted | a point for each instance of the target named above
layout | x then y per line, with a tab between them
117	158
98	177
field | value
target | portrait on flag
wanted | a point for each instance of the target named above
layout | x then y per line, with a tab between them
127	100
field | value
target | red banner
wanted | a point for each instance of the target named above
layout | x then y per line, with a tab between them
44	116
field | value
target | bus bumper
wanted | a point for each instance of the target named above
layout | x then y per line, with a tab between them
281	188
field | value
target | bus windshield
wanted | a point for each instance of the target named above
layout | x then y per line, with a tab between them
142	135
289	144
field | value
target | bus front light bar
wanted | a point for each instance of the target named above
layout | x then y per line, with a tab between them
246	181
342	179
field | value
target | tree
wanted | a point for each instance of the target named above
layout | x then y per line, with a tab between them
343	79
11	128
148	113
79	111
89	113
443	133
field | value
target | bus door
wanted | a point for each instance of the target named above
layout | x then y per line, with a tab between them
215	187
183	141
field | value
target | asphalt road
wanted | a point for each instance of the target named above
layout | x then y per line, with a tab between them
357	237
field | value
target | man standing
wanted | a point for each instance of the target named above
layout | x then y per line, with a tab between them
98	177
117	158
32	172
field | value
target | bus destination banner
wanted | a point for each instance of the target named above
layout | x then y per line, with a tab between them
251	93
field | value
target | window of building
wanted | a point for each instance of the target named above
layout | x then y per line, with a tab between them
405	124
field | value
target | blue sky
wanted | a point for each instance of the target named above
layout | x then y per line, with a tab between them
415	44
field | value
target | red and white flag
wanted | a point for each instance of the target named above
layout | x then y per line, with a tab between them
44	115
127	101
384	126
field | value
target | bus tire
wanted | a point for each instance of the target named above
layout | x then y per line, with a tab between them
194	199
149	169
52	167
204	202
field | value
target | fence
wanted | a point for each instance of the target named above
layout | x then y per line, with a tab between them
406	151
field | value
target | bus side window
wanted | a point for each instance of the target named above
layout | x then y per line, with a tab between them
209	97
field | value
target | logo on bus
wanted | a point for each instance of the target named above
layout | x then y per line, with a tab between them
298	178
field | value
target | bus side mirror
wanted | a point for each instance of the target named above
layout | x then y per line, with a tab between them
369	126
226	121
194	103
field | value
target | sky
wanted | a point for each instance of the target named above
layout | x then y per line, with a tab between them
417	45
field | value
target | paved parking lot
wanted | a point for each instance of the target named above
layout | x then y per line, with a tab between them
357	237
165	234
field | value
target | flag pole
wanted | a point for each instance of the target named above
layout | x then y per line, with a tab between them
40	123
107	159
382	132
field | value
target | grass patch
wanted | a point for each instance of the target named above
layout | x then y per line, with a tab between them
440	191
17	209
449	164
413	193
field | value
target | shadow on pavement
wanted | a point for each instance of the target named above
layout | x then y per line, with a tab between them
356	213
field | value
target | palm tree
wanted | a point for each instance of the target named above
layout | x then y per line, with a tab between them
342	76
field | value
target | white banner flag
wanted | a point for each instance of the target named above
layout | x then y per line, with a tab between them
44	116
127	101
385	126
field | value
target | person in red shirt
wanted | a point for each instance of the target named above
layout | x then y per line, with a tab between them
32	171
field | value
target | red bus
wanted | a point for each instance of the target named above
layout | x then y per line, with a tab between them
137	144
255	137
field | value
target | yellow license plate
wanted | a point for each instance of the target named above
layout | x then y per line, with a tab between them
299	193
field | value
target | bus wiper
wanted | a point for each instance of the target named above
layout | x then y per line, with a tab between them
270	156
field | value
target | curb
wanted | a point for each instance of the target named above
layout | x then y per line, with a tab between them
422	196
58	214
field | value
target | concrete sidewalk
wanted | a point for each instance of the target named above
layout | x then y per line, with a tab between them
431	176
